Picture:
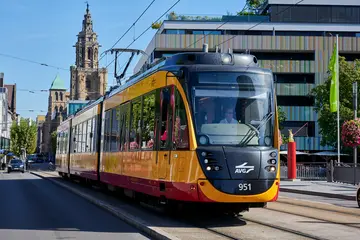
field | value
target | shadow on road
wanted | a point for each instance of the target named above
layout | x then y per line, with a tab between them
31	203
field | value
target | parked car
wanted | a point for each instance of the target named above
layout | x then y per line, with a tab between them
15	165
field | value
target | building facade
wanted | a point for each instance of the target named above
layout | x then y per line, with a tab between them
295	42
7	111
57	100
88	81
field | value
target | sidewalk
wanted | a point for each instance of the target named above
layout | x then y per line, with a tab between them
320	188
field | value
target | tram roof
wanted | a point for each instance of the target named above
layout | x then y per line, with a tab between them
190	59
204	60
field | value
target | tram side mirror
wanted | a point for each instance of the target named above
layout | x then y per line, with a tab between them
91	135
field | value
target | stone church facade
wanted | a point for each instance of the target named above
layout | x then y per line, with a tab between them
87	81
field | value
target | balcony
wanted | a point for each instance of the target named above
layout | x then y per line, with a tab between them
218	18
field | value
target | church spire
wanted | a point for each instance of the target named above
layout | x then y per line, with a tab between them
87	46
87	22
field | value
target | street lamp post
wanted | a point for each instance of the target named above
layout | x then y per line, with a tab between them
355	102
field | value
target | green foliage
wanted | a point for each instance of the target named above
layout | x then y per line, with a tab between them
281	119
255	3
53	141
23	136
348	73
156	25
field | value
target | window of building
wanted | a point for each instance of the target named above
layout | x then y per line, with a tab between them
301	128
295	100
284	55
295	78
148	119
88	82
61	96
56	109
56	96
180	128
61	109
174	31
135	125
89	54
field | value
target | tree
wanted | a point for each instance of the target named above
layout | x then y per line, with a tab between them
23	136
53	141
252	7
156	25
281	119
348	73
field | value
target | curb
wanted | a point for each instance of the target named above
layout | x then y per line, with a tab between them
321	194
152	232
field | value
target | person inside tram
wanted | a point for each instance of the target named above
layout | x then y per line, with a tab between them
229	119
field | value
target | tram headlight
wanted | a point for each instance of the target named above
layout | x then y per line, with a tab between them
271	168
226	58
203	154
208	168
206	161
217	168
273	154
203	140
272	161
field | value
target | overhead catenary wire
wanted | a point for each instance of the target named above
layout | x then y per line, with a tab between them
132	25
147	29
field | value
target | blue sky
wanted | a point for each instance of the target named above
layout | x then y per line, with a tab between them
45	31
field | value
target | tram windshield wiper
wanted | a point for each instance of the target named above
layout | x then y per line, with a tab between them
255	131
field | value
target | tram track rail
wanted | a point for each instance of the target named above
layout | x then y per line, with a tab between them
258	222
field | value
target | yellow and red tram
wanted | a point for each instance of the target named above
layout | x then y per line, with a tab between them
198	127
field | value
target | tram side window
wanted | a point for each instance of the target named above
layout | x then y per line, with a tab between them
73	136
180	129
79	138
66	141
114	129
165	101
94	131
125	122
148	119
107	131
84	134
135	126
88	139
118	131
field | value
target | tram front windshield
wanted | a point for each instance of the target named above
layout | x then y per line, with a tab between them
234	109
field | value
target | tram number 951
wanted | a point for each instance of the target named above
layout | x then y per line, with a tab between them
245	187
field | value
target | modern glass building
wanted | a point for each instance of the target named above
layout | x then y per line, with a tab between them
294	41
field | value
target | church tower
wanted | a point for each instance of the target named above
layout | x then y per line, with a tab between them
88	81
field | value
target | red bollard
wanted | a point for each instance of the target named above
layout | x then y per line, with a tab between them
291	160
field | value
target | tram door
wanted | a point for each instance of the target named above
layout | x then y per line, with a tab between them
164	133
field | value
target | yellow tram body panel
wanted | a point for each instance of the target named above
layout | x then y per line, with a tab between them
182	167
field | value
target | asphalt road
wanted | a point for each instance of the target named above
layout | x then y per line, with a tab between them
34	208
